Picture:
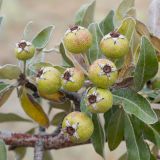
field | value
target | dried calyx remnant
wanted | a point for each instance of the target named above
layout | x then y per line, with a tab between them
70	130
114	34
72	28
107	69
22	44
67	75
92	99
40	72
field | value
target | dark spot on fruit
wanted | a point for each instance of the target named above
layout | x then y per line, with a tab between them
67	75
114	34
92	99
70	130
22	45
107	69
72	28
40	72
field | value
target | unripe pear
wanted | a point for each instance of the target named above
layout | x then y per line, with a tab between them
77	39
24	50
156	83
98	100
114	45
48	80
156	80
103	73
78	127
72	79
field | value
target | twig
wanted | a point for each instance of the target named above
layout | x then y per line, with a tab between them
39	150
27	140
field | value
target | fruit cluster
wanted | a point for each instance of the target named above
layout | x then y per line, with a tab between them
102	74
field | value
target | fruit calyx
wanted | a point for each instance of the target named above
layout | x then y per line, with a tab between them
67	76
93	99
106	69
71	130
114	34
23	45
75	27
40	72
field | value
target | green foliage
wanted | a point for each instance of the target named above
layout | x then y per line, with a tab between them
136	147
132	118
94	51
3	151
147	65
122	10
135	104
42	38
127	28
9	71
85	14
98	136
115	130
66	60
11	117
58	118
106	25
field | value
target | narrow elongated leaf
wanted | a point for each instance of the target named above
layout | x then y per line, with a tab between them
57	119
155	42
135	104
1	18
147	65
42	38
3	151
83	106
64	105
27	30
66	60
122	10
131	12
94	51
106	25
123	157
11	117
115	129
58	97
33	109
2	86
60	68
142	29
107	117
48	155
21	152
127	28
98	137
136	147
152	157
152	134
85	14
9	71
5	95
38	66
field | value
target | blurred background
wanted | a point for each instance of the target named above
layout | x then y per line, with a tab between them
17	13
